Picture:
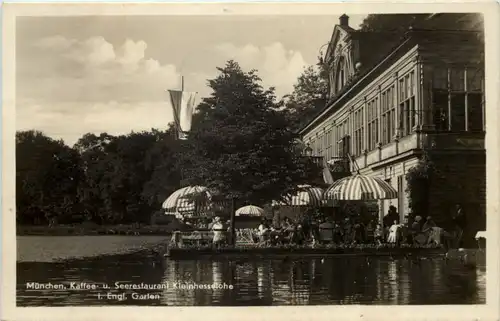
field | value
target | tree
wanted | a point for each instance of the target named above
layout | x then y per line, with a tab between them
117	169
309	95
47	176
163	161
241	144
391	22
400	23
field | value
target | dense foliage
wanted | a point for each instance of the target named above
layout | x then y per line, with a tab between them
241	145
309	96
419	180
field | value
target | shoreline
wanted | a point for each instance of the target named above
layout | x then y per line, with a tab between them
94	230
54	249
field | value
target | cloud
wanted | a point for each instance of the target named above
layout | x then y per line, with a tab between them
113	117
94	70
277	66
74	86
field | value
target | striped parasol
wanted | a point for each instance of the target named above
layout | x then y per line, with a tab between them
250	210
306	195
188	199
360	187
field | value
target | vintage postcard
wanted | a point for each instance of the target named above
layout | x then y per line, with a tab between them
325	160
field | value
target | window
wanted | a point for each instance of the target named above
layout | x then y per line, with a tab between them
388	111
440	109
358	132
407	103
440	79
372	115
457	111
344	146
325	143
328	138
339	136
475	112
341	74
342	133
459	106
474	79
318	149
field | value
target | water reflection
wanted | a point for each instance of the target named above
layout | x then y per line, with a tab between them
255	282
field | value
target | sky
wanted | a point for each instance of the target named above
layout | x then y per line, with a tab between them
76	75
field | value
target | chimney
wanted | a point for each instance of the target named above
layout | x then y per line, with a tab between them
344	20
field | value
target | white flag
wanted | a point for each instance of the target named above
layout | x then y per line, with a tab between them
183	103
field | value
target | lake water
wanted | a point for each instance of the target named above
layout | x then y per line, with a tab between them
348	280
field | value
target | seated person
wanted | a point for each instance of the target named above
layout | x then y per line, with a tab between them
338	235
298	235
326	231
418	237
378	234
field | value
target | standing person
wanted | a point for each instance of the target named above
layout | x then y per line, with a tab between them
348	231
263	231
359	228
393	233
326	231
460	223
218	229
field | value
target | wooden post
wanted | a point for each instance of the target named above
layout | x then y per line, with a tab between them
232	238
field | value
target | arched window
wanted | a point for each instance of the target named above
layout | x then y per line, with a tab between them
341	74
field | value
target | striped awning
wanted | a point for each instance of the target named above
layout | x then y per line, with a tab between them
360	187
305	196
250	210
188	199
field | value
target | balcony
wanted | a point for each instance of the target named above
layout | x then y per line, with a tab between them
454	141
418	141
339	166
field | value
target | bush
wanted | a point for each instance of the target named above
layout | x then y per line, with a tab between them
419	180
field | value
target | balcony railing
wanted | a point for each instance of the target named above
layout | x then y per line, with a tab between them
339	166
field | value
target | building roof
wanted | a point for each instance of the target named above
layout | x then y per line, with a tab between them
380	48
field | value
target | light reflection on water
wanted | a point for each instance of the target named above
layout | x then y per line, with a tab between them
352	280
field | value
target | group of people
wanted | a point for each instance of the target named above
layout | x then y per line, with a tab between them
347	230
351	230
322	230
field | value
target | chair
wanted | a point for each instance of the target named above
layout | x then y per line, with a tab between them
326	232
245	236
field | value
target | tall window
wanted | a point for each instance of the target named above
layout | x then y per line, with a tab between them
457	97
474	98
358	132
342	144
388	113
338	135
325	143
372	115
407	103
318	149
328	138
341	74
